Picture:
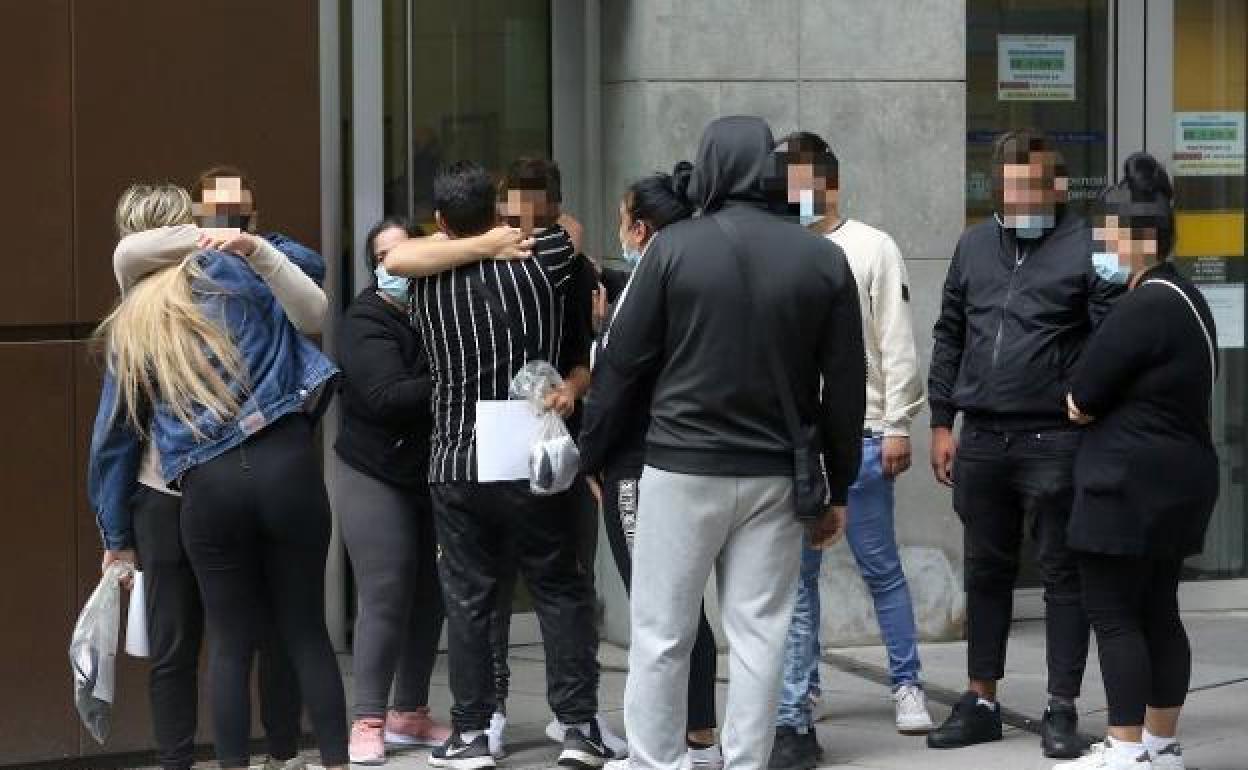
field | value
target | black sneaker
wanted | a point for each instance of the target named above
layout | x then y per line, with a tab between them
458	755
969	724
587	752
793	750
1059	736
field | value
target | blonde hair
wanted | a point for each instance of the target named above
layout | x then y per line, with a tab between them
161	346
148	206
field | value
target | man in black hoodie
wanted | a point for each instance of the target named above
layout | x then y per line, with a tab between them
717	489
1020	301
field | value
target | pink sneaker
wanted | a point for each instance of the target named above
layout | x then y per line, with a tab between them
367	747
415	728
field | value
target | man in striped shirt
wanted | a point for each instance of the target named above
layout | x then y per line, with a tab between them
481	322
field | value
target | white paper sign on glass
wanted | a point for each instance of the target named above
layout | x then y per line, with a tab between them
1226	303
1036	68
505	433
1208	144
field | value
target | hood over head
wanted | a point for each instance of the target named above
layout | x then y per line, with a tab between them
732	162
138	255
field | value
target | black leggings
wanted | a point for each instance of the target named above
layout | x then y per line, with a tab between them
1134	608
175	622
619	509
256	524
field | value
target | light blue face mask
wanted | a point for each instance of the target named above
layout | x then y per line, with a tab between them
630	254
1109	268
806	215
396	287
1030	226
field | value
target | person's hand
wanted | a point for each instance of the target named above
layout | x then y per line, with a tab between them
827	530
944	449
561	400
595	488
895	455
600	307
1072	411
242	244
126	555
576	232
507	243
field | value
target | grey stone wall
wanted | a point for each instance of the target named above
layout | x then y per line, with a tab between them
885	82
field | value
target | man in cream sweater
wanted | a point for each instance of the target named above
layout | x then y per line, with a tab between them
894	397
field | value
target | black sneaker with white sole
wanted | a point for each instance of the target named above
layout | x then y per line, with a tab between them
457	754
583	751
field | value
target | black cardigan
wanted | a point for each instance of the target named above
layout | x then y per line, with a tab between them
1146	476
385	410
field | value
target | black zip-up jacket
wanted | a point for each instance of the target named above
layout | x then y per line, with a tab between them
1013	323
685	322
385	418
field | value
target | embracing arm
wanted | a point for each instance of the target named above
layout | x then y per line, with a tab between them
294	288
373	370
421	257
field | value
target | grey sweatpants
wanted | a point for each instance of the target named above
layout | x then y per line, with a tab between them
747	530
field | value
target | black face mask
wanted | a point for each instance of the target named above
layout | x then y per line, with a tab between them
237	221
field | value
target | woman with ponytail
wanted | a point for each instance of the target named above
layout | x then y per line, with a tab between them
614	463
1146	476
207	364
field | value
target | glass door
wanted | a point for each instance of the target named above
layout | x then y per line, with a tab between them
1191	79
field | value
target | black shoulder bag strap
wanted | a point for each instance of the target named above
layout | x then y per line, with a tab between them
532	345
810	483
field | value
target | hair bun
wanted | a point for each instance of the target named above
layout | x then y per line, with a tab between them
682	172
1146	178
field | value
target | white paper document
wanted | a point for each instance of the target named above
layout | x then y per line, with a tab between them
136	620
505	433
1226	303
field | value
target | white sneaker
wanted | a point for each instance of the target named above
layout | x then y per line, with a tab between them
495	735
1101	756
295	763
617	764
704	759
1170	758
912	715
618	746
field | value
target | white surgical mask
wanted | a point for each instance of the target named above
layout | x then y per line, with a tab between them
630	254
806	208
1110	268
396	287
1029	226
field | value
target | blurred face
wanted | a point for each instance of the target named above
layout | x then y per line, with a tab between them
227	207
1122	251
633	233
529	210
809	190
1031	192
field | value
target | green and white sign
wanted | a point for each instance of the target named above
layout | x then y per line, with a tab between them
1036	68
1208	144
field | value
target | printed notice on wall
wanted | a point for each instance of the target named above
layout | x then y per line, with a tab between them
1036	68
1208	144
1226	302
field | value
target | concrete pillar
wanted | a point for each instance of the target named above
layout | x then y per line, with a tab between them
885	83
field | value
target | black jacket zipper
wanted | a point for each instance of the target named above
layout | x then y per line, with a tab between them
1020	256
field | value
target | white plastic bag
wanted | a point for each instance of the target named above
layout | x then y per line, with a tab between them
554	459
93	652
137	644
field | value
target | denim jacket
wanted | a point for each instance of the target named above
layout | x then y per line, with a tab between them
283	367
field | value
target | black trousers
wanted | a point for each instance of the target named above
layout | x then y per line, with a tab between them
1146	660
475	523
585	522
256	524
175	628
619	510
1004	480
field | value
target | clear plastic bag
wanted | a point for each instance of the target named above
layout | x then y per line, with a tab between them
93	652
554	459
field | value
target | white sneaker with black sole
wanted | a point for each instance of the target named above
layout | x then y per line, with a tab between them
1169	758
912	714
557	731
710	758
584	751
458	754
498	723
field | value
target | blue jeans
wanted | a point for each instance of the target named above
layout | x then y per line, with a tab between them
873	541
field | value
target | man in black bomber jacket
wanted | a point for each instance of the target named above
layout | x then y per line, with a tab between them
1020	301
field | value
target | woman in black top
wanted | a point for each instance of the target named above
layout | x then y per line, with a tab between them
382	499
649	205
1146	476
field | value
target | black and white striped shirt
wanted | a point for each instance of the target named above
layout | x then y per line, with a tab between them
473	354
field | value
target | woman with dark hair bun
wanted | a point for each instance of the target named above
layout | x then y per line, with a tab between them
650	204
1146	475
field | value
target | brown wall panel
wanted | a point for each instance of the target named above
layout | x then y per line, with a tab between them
163	90
37	474
35	137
